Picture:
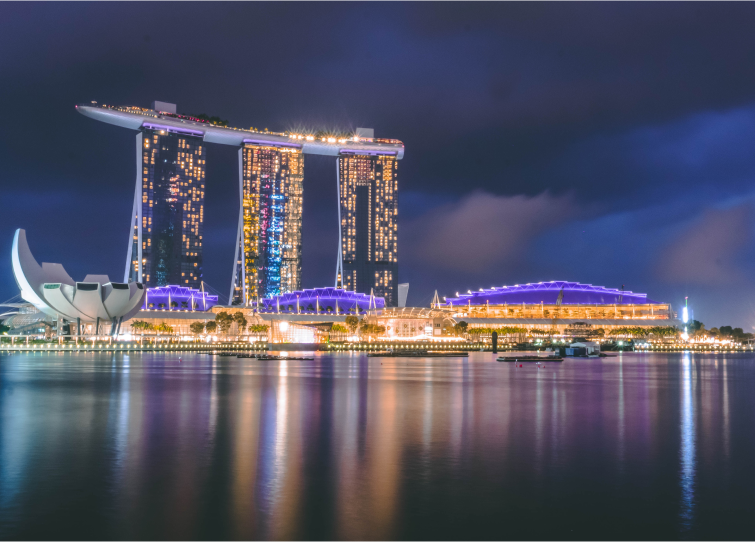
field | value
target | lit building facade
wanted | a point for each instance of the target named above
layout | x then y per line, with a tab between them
178	298
168	214
559	307
165	245
368	215
268	246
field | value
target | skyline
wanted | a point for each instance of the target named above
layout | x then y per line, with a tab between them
170	188
542	147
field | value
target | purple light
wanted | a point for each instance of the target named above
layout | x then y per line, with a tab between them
548	292
325	297
173	129
268	143
360	151
163	297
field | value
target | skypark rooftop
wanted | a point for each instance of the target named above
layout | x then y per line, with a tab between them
136	118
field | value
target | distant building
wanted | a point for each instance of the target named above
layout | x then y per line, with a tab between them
268	242
51	290
368	216
564	308
168	214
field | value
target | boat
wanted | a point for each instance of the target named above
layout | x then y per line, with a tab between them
530	358
267	357
416	354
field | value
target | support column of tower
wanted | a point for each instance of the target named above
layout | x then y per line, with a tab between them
134	260
339	258
238	294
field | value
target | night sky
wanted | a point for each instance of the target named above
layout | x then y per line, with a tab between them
611	144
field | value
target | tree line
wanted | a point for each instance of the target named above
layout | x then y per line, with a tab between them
223	323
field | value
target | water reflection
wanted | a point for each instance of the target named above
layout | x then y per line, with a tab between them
351	447
687	452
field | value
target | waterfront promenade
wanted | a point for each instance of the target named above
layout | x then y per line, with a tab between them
20	345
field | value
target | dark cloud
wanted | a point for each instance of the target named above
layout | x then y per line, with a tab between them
543	139
481	232
709	251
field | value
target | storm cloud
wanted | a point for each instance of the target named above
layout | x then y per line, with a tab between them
597	142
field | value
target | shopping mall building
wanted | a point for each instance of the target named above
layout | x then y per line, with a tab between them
565	309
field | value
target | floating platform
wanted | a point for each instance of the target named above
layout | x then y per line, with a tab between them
416	354
266	357
530	358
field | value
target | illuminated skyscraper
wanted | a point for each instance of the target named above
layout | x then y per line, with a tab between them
268	246
166	221
168	213
368	215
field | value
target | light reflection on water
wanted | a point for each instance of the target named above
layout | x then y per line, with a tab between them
687	452
143	446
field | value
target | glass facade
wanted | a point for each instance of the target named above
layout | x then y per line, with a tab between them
268	255
168	214
368	189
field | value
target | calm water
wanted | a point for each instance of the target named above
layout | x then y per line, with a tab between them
348	447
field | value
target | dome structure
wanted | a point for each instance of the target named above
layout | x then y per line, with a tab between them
51	289
174	297
327	299
572	293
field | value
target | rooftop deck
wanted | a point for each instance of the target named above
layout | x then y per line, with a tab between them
136	118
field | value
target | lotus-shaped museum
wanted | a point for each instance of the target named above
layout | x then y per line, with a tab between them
49	288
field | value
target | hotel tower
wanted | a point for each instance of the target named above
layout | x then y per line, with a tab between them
165	240
368	216
168	212
268	242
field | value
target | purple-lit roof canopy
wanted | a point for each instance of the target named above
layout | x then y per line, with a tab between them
178	298
326	298
548	292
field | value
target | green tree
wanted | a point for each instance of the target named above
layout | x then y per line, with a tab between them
224	321
214	120
694	326
259	328
142	326
372	329
211	327
461	327
240	319
338	328
162	327
352	321
197	328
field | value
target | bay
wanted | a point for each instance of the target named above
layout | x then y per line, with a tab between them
150	446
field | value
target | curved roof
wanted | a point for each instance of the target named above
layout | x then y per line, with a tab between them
51	289
178	295
136	118
325	297
574	293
